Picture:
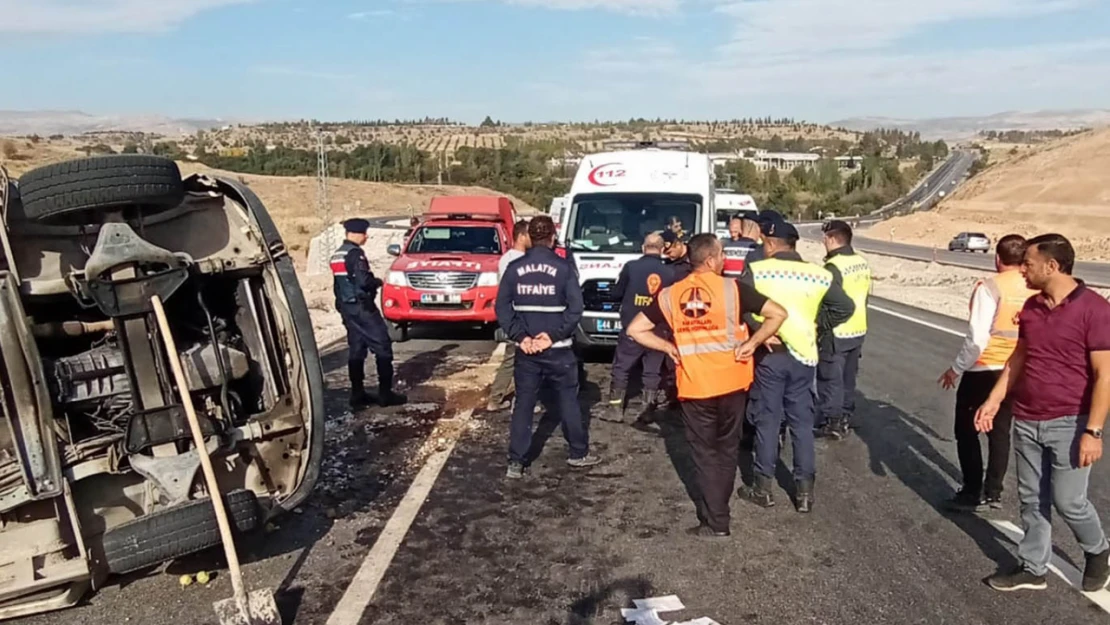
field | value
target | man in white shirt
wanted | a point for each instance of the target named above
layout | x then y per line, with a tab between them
991	339
503	381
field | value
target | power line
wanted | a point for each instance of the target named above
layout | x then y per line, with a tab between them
322	209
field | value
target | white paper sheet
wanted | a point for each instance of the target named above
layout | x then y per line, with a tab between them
705	620
670	603
642	617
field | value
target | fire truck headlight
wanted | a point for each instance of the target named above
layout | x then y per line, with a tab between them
488	278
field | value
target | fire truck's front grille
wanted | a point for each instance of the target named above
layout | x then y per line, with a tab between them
442	280
597	296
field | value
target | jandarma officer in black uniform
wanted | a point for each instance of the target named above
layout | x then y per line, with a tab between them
637	285
539	304
356	290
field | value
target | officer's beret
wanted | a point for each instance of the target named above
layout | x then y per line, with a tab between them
356	225
773	224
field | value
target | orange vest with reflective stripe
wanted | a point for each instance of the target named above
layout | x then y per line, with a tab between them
1009	292
703	311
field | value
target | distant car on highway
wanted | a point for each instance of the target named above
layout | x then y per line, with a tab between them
970	242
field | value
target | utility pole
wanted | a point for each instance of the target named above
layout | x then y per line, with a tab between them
322	210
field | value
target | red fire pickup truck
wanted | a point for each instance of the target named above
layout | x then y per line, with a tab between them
446	271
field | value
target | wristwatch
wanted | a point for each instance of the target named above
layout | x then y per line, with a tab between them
1094	432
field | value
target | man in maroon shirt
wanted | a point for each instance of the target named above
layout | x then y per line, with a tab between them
1058	380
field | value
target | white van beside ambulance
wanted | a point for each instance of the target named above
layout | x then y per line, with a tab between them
727	204
616	199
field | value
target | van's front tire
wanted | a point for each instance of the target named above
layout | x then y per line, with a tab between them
176	531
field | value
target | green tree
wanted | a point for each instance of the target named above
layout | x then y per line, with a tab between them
488	123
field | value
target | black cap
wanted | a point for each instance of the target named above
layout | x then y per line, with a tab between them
838	226
670	237
356	225
773	224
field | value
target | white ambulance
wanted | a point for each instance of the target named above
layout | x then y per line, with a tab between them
616	199
558	208
727	204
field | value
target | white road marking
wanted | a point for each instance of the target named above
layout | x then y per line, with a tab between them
361	591
922	322
1060	567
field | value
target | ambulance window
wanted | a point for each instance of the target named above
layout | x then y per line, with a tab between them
617	223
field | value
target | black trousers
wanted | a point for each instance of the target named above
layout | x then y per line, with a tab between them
974	388
713	432
836	384
625	357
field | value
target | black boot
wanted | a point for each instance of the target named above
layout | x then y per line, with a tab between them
803	501
844	426
613	411
359	397
648	407
386	396
759	492
830	430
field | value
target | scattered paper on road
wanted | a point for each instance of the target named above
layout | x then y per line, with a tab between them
642	617
670	603
705	620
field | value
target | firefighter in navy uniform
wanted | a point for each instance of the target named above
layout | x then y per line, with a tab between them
678	260
356	290
539	305
637	285
674	249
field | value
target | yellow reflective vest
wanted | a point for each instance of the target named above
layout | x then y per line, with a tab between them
856	277
799	287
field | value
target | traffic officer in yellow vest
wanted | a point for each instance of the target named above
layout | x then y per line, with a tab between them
991	339
842	345
785	378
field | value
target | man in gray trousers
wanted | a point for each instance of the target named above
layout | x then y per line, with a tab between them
502	387
1059	381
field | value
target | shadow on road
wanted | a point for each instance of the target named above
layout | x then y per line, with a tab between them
897	446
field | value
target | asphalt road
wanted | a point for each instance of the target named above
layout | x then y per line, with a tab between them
563	547
1095	274
926	196
309	558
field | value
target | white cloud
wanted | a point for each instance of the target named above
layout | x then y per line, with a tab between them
294	71
633	7
814	27
99	16
362	15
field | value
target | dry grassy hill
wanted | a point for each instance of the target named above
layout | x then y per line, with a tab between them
291	200
1062	186
578	138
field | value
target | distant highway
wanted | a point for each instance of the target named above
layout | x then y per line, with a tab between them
945	178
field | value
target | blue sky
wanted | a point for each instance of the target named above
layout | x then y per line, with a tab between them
554	59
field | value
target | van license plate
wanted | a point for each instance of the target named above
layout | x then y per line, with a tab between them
440	298
609	325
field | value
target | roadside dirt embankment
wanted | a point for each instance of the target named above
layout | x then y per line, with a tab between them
1061	186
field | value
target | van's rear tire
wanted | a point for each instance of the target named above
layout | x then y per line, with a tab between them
91	185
